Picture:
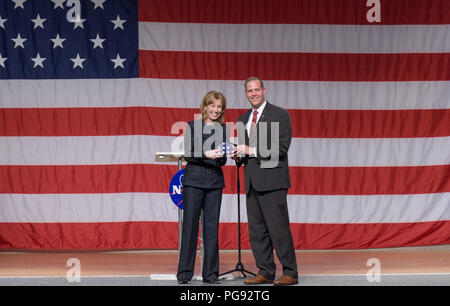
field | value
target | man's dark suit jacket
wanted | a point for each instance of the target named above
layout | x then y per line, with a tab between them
201	171
262	175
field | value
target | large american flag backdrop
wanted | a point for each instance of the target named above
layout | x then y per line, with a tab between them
86	103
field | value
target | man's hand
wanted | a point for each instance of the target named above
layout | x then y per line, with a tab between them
242	150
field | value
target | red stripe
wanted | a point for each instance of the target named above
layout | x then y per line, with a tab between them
102	121
294	66
156	178
369	180
160	120
86	178
89	236
164	235
294	11
370	123
350	235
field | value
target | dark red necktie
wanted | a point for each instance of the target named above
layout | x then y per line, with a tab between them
253	124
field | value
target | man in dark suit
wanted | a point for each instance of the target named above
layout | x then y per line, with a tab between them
264	137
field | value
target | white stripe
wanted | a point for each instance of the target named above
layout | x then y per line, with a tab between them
294	38
381	273
369	208
342	152
124	207
137	149
108	207
226	277
162	277
189	93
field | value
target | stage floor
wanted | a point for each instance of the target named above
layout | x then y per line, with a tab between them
396	266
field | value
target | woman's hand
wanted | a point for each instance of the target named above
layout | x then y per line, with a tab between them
214	154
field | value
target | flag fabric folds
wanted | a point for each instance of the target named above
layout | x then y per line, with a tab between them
91	89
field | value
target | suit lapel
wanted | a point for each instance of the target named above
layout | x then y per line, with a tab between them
265	114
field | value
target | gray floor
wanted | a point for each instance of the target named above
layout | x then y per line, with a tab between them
316	280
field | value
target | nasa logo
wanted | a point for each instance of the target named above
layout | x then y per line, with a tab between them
176	189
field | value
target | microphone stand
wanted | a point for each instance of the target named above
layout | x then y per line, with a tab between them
239	265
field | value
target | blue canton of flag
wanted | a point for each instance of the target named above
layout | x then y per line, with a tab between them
40	39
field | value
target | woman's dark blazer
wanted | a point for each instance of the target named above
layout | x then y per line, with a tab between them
201	171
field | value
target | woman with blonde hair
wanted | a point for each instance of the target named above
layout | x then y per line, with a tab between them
203	183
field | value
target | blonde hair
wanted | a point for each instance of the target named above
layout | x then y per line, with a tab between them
208	99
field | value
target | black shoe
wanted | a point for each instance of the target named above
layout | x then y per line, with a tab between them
183	282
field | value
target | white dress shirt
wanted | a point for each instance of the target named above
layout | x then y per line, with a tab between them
250	119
